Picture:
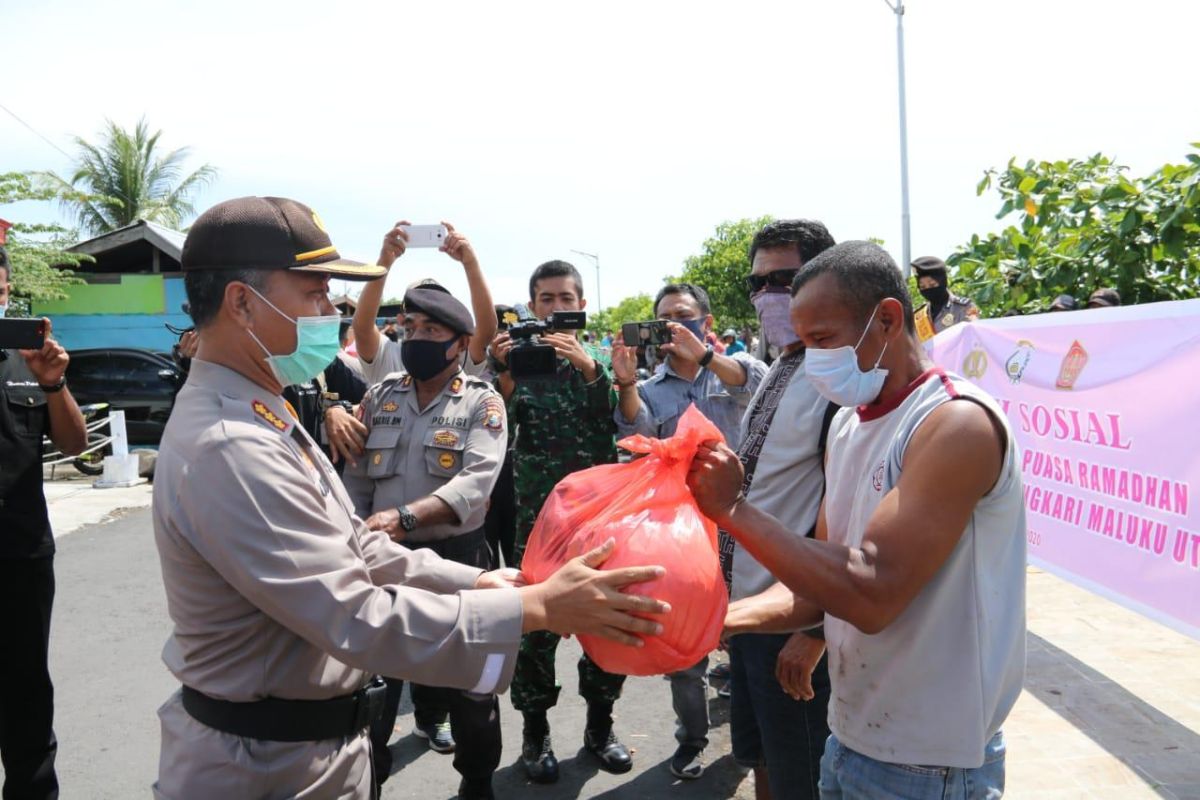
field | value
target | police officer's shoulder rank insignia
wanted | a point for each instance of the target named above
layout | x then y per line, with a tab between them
406	382
456	385
267	414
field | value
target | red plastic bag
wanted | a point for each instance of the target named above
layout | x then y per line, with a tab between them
647	507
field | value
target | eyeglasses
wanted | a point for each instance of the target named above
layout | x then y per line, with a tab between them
780	277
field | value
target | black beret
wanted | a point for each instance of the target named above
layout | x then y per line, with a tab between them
1065	302
438	304
928	264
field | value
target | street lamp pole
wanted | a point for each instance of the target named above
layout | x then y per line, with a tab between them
898	9
596	259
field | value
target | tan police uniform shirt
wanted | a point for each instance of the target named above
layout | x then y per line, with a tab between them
452	449
958	309
276	589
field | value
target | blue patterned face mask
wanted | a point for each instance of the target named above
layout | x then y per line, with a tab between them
696	326
316	347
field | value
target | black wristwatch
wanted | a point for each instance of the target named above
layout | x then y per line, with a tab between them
344	405
57	387
408	520
709	352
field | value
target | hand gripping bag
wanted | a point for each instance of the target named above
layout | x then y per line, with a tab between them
647	507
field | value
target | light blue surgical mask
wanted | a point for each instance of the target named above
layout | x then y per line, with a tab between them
316	347
3	309
836	376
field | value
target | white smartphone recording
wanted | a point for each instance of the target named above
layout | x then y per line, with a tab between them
425	235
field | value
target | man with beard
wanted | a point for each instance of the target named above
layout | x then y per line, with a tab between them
942	309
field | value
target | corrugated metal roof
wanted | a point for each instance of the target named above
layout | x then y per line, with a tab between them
165	239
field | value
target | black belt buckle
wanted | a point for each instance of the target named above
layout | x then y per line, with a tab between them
369	703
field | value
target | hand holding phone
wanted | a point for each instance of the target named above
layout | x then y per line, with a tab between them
22	334
48	359
641	334
425	235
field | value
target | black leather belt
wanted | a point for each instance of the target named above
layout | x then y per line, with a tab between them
276	720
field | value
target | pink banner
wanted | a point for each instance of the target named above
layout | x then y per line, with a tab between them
1105	404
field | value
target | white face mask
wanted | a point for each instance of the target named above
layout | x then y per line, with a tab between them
836	376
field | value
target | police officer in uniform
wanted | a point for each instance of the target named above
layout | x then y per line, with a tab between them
34	402
284	604
435	443
941	309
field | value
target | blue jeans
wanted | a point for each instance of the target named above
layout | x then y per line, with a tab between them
849	775
768	728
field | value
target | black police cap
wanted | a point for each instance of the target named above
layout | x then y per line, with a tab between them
441	306
267	233
927	264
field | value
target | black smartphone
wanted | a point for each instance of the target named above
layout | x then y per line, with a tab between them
640	334
22	334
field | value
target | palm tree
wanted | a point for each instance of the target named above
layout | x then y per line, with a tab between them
125	179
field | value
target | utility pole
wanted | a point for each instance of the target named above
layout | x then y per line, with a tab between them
898	9
595	258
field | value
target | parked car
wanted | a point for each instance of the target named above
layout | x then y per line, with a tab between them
142	383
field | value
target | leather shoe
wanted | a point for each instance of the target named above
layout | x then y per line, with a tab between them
613	755
538	758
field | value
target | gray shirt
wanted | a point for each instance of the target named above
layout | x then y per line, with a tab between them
666	395
788	481
452	449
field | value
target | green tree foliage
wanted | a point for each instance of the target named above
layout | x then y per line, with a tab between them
722	269
638	308
37	253
1084	225
128	178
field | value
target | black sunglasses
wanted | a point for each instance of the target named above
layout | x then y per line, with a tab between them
780	277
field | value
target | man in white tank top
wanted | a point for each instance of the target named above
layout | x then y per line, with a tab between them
918	568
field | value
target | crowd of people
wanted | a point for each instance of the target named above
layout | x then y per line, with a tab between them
340	508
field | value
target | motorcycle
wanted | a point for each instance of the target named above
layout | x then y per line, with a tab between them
99	444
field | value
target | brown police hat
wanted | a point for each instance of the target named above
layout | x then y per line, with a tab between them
267	233
1104	298
440	305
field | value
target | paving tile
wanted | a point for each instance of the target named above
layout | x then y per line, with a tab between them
1179	767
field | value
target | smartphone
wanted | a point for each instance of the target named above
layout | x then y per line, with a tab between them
640	334
425	235
22	334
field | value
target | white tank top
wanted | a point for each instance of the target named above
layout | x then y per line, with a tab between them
935	685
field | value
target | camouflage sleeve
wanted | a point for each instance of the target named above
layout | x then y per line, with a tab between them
600	393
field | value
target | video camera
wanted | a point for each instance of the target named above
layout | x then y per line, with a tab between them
529	358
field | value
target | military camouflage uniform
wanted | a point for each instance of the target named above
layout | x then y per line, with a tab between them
559	426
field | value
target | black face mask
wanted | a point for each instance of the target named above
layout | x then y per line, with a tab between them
425	359
937	296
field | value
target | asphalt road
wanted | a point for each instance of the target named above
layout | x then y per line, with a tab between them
109	626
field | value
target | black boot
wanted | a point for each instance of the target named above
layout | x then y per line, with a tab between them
600	741
536	753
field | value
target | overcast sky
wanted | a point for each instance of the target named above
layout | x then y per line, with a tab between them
624	129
